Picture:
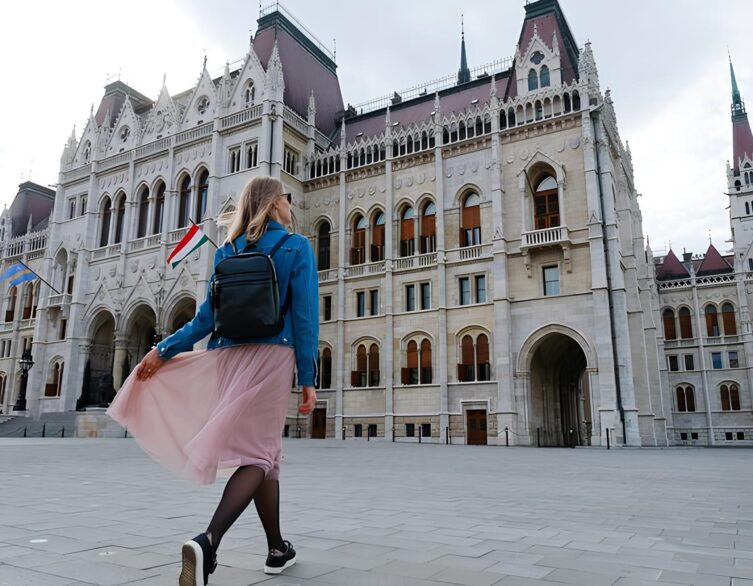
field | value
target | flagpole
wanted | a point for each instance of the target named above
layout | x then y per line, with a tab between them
205	234
38	276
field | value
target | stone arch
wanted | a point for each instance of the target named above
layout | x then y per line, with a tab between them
534	339
417	335
352	216
463	191
181	310
534	167
322	218
136	335
98	387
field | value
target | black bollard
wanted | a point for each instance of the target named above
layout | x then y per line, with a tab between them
343	432
44	426
24	431
125	433
62	432
507	437
607	438
419	433
538	437
447	435
393	434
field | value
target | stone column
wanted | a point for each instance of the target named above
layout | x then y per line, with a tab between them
388	353
701	328
341	239
121	352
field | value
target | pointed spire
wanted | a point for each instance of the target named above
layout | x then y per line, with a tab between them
312	108
493	86
742	138
342	133
464	74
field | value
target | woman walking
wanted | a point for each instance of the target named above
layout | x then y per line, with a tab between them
225	407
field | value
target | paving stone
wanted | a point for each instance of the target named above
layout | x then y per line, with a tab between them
408	516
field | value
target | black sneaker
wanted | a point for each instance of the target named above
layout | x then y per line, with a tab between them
199	560
277	560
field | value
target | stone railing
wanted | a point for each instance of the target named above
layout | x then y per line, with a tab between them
194	133
411	262
153	147
105	251
241	117
34	242
469	253
545	237
327	275
144	243
295	121
175	235
114	161
58	299
78	173
365	269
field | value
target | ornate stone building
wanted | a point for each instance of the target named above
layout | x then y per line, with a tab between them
482	268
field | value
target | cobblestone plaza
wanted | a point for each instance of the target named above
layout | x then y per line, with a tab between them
101	512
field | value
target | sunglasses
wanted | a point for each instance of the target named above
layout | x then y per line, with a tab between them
289	196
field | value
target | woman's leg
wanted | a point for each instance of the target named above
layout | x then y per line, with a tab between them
239	490
267	501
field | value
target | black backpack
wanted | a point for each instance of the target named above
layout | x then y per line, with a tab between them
246	296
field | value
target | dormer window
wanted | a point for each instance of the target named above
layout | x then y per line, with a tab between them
249	94
87	152
537	57
125	133
203	105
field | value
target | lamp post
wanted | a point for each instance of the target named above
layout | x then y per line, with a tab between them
25	363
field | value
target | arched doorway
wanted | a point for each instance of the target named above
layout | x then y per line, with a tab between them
560	402
140	331
182	313
98	386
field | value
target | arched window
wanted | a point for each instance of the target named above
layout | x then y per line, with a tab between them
374	365
533	80
407	232
159	209
730	395
424	361
728	320
470	221
35	301
87	152
10	310
54	380
576	101
466	368
712	321
377	237
685	399
544	76
143	212
3	379
184	201
249	94
28	301
322	245
83	204
324	380
359	377
358	248
482	358
410	374
104	231
202	193
546	207
428	238
668	317
119	218
686	324
367	367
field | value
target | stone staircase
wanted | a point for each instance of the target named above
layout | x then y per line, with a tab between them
49	425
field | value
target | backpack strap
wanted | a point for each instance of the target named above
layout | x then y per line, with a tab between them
280	242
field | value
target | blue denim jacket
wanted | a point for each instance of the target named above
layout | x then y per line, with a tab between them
297	275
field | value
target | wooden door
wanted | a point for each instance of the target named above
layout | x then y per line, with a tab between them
319	423
476	427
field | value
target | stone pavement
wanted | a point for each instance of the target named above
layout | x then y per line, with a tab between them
101	512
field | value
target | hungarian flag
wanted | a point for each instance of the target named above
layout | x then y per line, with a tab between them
190	242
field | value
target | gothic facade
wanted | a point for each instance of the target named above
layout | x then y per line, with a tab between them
483	275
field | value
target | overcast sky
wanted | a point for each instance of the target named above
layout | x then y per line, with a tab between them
664	60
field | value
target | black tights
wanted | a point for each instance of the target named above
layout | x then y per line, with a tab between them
247	483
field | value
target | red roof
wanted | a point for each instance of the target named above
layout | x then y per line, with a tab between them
304	69
742	139
671	268
713	263
547	17
420	109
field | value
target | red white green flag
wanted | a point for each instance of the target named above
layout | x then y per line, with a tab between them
190	242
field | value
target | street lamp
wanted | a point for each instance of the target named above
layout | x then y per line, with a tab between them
25	363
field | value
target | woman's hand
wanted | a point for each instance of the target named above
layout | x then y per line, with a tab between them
309	401
149	365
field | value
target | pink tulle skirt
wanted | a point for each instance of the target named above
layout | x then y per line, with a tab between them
211	409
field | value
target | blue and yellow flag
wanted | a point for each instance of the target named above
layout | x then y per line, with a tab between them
18	273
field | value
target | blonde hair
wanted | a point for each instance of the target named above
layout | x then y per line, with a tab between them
254	207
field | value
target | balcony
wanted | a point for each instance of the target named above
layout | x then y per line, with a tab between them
328	275
59	300
407	263
105	252
365	269
557	236
469	253
144	243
